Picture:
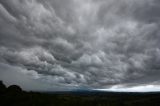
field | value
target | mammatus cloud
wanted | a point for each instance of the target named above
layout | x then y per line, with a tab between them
82	43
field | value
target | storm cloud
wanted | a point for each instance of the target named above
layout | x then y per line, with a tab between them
94	44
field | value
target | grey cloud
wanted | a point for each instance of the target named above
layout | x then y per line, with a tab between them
91	43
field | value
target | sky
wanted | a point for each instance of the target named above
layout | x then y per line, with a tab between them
52	45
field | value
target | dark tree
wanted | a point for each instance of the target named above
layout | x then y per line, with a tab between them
2	87
14	88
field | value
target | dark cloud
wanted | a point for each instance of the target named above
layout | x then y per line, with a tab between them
82	43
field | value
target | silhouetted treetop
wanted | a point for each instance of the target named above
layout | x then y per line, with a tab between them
14	88
2	87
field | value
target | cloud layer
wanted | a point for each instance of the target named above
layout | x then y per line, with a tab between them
82	43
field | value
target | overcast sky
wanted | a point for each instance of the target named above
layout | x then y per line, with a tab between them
80	44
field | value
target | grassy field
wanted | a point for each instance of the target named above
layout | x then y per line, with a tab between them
14	96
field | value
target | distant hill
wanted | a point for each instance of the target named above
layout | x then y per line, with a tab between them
15	96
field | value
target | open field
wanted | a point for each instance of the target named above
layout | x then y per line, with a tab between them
16	97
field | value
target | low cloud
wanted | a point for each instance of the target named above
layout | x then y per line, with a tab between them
82	43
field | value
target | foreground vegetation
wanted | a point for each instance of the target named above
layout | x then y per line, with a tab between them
14	96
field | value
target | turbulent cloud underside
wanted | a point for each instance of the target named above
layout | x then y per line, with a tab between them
82	43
